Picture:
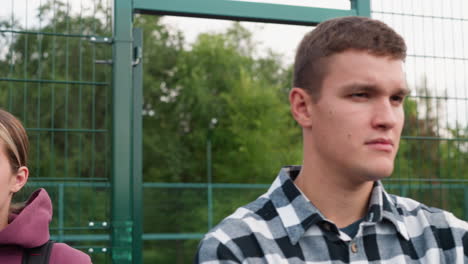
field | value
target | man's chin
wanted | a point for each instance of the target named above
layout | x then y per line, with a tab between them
378	177
380	168
378	173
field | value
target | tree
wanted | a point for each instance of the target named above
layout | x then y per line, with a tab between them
218	77
67	120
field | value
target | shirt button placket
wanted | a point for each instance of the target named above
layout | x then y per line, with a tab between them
356	251
354	247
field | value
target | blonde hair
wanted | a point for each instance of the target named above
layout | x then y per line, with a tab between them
15	143
15	140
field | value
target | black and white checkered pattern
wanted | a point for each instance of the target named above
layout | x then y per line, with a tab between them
282	226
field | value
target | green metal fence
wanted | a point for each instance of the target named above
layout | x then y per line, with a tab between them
435	139
53	79
72	72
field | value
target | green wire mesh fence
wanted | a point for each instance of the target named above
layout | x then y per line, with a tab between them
433	156
52	80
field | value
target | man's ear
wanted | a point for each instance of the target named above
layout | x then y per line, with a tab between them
19	179
301	110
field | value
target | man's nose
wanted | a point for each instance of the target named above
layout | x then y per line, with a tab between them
384	115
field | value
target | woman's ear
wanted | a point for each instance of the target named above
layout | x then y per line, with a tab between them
19	179
300	102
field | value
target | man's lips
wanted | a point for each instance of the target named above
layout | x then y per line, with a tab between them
382	144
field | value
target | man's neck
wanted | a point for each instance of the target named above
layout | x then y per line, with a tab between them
341	201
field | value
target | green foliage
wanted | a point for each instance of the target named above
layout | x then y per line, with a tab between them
432	157
46	107
67	120
215	78
186	87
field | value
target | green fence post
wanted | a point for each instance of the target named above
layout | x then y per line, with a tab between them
209	168
137	145
209	180
61	211
122	144
362	7
465	194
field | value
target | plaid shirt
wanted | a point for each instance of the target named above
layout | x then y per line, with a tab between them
282	226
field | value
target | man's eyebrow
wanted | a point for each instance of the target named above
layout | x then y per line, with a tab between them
360	87
363	87
403	91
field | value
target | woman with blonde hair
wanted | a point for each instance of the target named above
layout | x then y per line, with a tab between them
24	230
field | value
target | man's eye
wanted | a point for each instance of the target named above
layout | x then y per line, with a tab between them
360	95
397	98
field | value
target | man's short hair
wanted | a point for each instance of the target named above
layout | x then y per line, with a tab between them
338	35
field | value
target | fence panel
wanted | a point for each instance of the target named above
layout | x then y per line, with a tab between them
52	78
434	145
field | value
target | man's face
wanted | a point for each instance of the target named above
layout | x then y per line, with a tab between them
357	121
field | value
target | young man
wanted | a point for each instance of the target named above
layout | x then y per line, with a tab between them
348	94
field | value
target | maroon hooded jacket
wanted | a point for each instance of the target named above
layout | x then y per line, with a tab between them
30	228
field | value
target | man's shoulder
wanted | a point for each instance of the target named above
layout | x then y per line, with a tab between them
238	235
412	210
246	219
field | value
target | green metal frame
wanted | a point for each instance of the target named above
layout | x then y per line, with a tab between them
137	146
122	138
126	227
250	11
56	234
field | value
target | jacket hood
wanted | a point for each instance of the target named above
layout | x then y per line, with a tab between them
29	228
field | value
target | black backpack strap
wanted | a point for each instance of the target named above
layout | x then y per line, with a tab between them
38	255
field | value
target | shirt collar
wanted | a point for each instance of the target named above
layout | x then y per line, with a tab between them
298	214
294	209
383	206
